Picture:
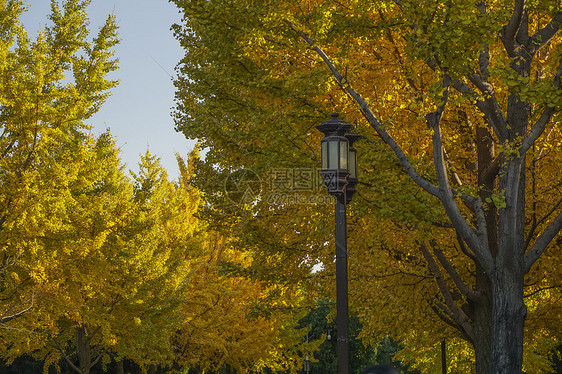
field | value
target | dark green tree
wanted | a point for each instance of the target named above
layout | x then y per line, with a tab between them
321	322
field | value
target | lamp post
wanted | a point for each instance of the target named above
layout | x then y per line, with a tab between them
339	169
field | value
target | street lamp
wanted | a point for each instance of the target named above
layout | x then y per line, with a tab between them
335	154
339	169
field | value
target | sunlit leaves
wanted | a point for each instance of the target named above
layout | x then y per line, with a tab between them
251	90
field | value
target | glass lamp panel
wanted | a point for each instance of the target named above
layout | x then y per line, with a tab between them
352	163
333	153
343	154
324	155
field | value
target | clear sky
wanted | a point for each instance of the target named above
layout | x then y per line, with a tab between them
138	112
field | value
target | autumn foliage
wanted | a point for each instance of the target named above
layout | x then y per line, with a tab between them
98	266
455	229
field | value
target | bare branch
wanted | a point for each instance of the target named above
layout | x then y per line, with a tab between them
68	360
478	243
443	225
10	315
470	294
541	220
490	107
454	174
8	260
544	35
542	242
444	314
540	289
509	31
545	118
537	130
97	358
457	314
465	250
92	335
368	114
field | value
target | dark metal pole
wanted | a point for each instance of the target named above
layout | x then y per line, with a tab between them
336	173
342	317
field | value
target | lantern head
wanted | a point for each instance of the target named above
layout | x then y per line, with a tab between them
335	154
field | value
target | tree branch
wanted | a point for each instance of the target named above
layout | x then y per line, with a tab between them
540	125
91	336
544	35
542	242
457	314
16	315
491	172
470	294
540	289
456	177
537	130
484	62
478	243
489	107
444	315
509	31
541	220
369	116
97	358
7	318
465	250
68	360
484	57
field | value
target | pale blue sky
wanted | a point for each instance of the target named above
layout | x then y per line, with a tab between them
138	112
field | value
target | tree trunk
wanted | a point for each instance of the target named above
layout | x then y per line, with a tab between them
508	320
119	367
482	308
482	323
83	349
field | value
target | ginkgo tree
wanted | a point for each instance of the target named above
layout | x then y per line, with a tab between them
43	140
71	229
462	181
221	327
97	265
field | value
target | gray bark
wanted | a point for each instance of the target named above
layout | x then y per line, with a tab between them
83	350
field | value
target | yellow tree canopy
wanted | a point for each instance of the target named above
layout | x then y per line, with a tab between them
43	143
456	224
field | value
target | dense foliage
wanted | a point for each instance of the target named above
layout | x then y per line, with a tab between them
100	269
455	230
